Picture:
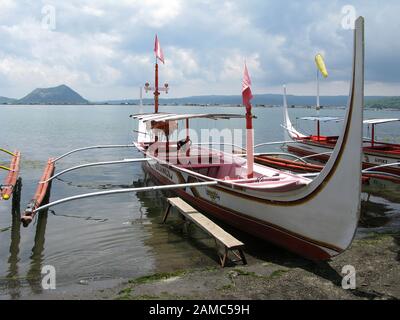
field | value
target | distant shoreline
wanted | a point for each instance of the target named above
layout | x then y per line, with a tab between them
64	95
192	105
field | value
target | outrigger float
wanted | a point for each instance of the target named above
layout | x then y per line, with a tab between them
12	182
293	211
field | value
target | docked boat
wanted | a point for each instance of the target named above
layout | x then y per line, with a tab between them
378	156
292	211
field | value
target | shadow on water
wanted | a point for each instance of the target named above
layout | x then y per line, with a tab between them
15	281
374	214
37	256
153	205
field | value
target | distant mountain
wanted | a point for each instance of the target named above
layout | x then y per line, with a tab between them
264	99
388	102
4	100
65	95
57	95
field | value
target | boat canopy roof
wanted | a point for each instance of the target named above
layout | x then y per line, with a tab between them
378	121
322	119
175	117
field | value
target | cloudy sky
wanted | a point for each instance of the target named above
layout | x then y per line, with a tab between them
104	48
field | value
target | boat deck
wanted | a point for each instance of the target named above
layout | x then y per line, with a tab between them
229	168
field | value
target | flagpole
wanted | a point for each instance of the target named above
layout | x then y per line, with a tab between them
156	92
318	90
249	142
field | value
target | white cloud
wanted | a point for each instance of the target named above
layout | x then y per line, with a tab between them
105	47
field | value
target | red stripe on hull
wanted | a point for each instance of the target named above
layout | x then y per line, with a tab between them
251	226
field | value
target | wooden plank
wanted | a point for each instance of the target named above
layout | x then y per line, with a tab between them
220	234
183	206
206	224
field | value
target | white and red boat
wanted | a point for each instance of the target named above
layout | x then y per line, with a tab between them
315	218
385	157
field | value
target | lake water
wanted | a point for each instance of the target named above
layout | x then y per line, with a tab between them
120	237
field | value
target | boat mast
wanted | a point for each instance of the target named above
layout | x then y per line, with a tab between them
249	142
156	88
373	136
156	92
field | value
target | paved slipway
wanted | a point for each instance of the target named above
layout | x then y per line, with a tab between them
275	274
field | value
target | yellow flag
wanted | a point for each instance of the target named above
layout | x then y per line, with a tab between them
321	65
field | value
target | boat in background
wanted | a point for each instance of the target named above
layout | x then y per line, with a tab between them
377	156
292	211
375	183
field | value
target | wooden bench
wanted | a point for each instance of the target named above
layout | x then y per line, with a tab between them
229	242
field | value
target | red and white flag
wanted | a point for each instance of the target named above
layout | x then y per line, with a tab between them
246	90
158	51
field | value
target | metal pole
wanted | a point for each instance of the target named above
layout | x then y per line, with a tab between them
217	143
95	147
317	90
8	152
274	143
373	136
156	93
276	154
249	142
128	190
94	164
382	166
315	155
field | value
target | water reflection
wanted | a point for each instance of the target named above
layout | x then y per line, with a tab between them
13	280
37	256
374	214
173	246
383	188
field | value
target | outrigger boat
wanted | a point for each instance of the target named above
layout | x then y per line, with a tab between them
295	212
377	156
292	211
12	182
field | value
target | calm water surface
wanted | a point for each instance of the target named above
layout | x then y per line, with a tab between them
120	237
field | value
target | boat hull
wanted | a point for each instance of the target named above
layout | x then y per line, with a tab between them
263	229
